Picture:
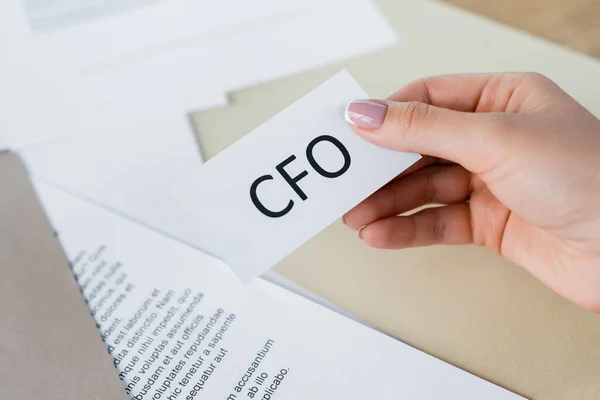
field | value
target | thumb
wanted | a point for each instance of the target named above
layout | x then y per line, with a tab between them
473	140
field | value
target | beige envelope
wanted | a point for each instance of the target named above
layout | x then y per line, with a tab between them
50	347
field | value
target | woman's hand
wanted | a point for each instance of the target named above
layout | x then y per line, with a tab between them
513	158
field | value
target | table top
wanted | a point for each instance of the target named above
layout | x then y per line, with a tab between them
572	23
461	304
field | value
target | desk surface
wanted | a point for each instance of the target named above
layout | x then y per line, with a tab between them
461	304
573	23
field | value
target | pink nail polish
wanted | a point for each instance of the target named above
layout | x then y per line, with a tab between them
366	114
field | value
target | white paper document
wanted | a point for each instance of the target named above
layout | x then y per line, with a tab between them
284	182
51	48
88	34
326	32
179	325
42	99
133	179
94	68
47	15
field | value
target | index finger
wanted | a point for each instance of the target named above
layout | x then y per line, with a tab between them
459	92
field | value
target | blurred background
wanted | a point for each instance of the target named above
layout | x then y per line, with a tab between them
117	101
574	23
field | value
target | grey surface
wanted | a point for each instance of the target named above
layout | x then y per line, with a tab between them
49	345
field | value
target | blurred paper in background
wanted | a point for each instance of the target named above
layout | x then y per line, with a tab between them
125	136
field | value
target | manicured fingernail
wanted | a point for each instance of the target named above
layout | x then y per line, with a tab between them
366	114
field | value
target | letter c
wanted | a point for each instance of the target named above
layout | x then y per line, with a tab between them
260	206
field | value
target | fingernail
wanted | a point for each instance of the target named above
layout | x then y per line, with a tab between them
360	231
344	219
366	114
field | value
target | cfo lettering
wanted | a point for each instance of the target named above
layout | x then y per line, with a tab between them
293	181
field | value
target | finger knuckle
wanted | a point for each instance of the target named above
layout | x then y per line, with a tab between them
525	76
385	200
411	232
429	188
438	227
411	118
535	77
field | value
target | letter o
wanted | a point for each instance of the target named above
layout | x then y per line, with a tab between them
317	167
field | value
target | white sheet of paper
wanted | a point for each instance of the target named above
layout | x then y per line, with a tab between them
271	191
85	35
120	143
42	97
45	91
286	283
265	51
134	180
179	325
41	100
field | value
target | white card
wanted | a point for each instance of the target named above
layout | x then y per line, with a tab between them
281	184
